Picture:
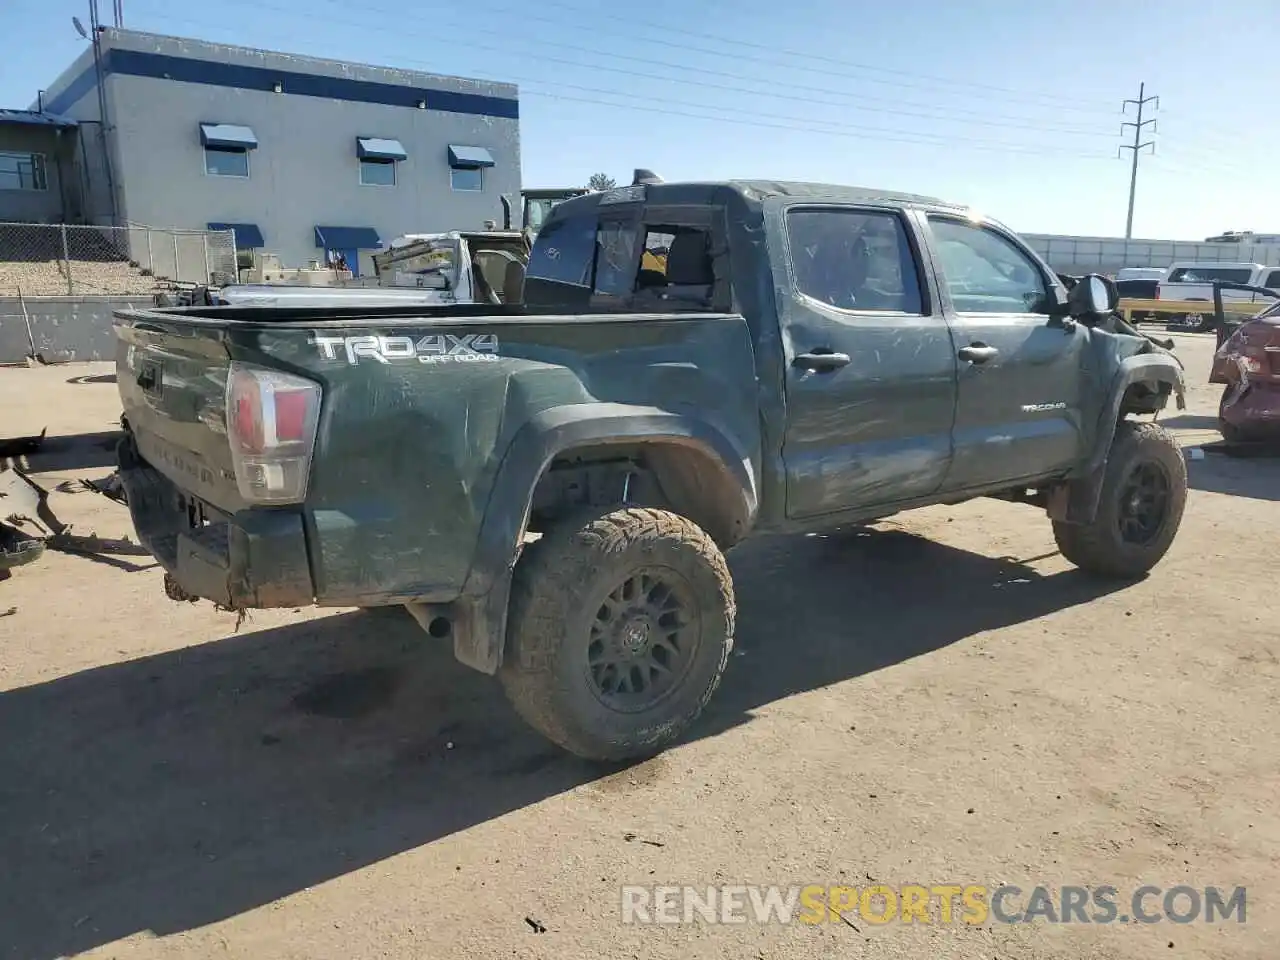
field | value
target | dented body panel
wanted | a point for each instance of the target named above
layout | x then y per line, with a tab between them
445	433
420	417
1248	365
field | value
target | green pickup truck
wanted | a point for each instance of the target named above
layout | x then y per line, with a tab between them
551	486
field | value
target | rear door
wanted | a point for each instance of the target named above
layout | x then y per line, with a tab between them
870	365
1018	414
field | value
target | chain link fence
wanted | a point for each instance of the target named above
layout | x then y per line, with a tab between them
50	260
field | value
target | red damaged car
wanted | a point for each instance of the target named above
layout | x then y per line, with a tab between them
1248	362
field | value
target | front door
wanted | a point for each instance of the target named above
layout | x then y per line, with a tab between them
871	367
1020	371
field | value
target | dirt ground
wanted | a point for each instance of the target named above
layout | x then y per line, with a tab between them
939	700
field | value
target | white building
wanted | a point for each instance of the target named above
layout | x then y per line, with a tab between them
306	158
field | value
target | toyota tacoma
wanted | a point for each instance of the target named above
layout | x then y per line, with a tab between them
551	486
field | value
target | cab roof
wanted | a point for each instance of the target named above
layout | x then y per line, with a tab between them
800	190
755	192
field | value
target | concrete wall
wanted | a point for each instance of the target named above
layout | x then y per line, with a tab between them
57	148
1079	255
305	171
70	328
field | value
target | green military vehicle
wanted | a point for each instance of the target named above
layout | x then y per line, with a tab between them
551	486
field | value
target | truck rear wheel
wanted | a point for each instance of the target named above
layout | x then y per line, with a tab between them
1144	492
620	628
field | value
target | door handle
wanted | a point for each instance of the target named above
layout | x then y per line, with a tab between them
977	352
821	361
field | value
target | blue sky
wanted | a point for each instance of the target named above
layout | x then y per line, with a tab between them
1009	105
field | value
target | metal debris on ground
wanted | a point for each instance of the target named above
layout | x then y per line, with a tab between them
17	549
23	501
110	487
28	526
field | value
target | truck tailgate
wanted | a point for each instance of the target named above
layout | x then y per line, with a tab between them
172	378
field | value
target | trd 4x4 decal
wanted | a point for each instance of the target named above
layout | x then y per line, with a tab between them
431	348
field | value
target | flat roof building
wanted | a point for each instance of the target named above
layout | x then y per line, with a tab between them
304	157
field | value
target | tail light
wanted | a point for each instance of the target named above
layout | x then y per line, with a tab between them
271	423
1250	349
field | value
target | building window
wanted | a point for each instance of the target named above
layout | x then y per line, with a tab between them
467	178
226	162
378	173
22	171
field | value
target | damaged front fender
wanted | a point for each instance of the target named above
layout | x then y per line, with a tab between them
1143	383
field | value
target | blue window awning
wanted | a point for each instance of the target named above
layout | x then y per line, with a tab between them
372	148
227	136
248	236
347	238
469	158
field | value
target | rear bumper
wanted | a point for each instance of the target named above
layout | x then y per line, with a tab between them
1253	412
252	559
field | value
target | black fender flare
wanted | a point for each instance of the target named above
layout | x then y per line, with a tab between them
1077	500
482	607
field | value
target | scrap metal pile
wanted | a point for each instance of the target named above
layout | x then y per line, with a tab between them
28	524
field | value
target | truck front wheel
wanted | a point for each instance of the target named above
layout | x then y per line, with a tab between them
1144	491
619	630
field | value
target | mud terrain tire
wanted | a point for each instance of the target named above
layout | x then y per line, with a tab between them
619	630
1144	491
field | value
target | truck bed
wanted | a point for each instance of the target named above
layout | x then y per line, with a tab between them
419	409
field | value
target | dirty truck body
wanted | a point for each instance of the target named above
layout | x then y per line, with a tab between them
803	363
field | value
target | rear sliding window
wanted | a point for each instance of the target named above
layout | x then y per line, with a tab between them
565	252
632	265
1209	274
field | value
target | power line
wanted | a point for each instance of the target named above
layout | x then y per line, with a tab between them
1137	146
632	101
1013	95
1018	123
857	101
998	146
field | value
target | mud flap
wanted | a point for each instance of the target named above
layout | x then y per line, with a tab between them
1076	501
477	625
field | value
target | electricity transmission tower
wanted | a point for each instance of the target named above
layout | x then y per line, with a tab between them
1137	146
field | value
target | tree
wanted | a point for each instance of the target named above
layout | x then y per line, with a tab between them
600	182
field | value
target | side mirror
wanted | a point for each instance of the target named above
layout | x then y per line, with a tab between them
1094	295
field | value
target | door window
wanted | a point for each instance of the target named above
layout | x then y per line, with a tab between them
985	272
853	259
1273	280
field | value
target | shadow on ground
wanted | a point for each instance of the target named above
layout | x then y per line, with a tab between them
176	790
94	378
1189	421
1255	476
77	451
